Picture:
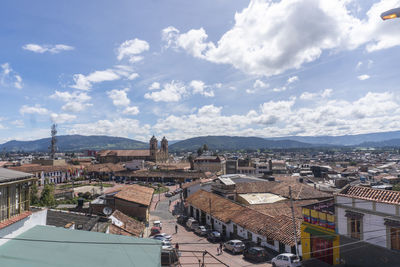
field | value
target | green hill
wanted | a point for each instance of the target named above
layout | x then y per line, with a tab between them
233	143
74	143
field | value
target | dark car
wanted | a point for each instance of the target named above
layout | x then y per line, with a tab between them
214	236
182	219
258	254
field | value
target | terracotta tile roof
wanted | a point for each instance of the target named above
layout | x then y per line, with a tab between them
282	208
198	181
45	168
136	193
165	174
130	227
14	219
227	211
105	167
124	153
300	191
366	193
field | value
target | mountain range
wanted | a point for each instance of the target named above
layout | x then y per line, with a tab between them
69	143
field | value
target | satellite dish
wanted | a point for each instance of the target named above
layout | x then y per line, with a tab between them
107	211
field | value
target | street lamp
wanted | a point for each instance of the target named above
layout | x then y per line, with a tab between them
391	14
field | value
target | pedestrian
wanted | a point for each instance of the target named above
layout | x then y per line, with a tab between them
217	250
176	228
220	247
170	202
177	246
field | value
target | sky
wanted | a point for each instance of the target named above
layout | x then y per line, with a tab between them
182	69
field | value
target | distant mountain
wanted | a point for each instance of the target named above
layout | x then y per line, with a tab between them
234	143
75	143
386	143
343	140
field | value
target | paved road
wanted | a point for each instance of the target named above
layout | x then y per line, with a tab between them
192	245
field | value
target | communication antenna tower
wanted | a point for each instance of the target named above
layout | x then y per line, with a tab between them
53	147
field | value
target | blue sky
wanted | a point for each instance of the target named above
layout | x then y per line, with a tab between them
185	68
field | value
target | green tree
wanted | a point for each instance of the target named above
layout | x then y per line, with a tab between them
205	147
200	151
47	197
34	195
396	187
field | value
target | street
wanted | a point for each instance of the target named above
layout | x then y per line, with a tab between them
191	245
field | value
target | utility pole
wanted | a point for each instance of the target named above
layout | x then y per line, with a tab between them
209	202
294	222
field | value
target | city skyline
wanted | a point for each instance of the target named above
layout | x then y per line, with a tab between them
247	68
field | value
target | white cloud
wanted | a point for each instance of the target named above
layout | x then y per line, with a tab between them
154	86
269	37
62	118
131	49
133	110
260	84
74	102
8	77
292	79
363	77
372	112
119	97
171	92
85	82
37	109
119	127
359	64
18	123
52	49
279	89
323	94
251	91
199	87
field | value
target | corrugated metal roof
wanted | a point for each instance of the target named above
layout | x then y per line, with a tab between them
16	253
7	175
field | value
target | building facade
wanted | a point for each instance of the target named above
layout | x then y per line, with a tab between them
152	154
368	221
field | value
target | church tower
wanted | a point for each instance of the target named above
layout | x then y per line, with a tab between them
164	145
153	148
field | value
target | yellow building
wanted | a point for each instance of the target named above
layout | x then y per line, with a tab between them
318	236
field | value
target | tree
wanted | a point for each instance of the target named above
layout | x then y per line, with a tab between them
34	195
205	147
396	187
47	197
200	151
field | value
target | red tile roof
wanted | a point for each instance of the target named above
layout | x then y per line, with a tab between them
15	219
124	153
366	193
225	210
136	193
130	227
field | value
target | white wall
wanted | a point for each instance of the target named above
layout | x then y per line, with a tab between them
386	208
342	221
374	230
15	229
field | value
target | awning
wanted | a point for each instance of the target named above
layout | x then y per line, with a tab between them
319	234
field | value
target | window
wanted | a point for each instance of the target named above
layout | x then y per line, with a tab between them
355	228
395	238
270	241
249	235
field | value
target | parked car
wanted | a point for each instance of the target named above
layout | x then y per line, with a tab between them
286	260
168	194
182	219
192	224
214	236
157	224
234	246
155	230
178	190
162	236
258	254
166	244
201	230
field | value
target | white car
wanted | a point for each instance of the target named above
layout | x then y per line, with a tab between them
286	260
234	246
162	236
157	224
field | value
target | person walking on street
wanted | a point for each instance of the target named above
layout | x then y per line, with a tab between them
220	247
176	228
217	250
177	246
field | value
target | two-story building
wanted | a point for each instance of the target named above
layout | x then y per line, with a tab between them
368	221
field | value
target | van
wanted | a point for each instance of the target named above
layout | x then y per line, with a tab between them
192	224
